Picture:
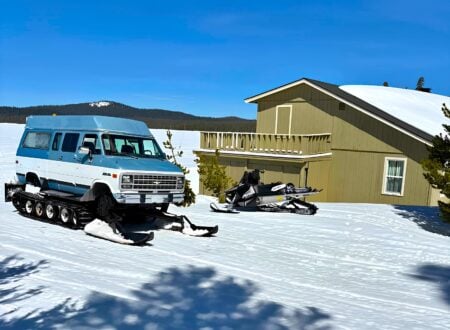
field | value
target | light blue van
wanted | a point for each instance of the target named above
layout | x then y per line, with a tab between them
92	156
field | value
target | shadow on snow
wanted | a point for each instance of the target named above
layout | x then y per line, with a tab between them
425	217
437	274
12	270
178	298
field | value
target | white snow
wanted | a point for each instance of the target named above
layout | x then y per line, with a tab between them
99	104
351	266
419	109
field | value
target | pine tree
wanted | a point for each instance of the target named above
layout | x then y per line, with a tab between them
213	175
189	195
420	86
420	83
437	166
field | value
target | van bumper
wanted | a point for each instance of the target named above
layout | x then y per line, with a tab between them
143	198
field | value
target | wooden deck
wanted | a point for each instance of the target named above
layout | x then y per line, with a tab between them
282	144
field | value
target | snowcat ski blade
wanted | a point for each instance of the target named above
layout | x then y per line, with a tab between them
101	229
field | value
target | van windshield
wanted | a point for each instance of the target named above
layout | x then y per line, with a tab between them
132	146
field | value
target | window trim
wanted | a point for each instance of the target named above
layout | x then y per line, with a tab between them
290	118
386	164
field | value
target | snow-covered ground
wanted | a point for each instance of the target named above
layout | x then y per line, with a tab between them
351	266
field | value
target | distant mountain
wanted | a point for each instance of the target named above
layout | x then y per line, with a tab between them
155	118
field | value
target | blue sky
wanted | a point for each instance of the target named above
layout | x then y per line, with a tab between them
205	57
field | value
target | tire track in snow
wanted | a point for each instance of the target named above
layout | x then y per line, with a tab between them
308	286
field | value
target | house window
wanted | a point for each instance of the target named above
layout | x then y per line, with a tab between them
394	176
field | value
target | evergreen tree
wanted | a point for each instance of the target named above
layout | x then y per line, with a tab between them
437	166
420	86
213	175
420	83
189	195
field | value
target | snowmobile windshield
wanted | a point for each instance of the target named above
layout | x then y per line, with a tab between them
131	146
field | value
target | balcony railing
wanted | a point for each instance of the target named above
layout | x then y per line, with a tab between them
282	144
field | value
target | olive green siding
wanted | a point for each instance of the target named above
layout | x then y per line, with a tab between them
318	177
359	145
358	177
305	117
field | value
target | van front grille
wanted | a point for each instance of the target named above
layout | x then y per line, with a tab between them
142	182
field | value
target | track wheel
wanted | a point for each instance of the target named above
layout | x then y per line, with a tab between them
39	209
29	207
51	212
66	215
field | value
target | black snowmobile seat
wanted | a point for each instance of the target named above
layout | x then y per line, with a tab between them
251	178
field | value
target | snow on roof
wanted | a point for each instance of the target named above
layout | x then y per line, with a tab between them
419	109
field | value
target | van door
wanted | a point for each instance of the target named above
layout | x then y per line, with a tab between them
69	165
91	168
54	163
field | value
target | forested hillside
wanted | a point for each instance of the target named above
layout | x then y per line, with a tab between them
155	118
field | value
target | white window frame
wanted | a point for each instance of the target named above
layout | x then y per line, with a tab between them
386	164
290	117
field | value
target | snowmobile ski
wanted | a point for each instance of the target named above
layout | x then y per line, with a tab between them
111	232
221	209
182	224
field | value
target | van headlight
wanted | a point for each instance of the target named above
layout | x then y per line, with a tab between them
180	182
127	178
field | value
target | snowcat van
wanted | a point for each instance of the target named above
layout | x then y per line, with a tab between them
94	167
95	155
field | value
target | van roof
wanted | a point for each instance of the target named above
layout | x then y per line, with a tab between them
88	123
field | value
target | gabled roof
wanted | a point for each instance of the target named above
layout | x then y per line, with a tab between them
417	114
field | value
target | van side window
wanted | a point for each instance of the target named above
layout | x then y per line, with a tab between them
56	141
70	142
92	142
37	140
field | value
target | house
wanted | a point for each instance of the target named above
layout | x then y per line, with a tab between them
357	143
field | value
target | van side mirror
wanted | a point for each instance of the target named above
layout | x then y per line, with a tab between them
84	150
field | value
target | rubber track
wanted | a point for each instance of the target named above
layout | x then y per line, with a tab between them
84	215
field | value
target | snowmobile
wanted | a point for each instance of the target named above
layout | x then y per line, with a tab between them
252	195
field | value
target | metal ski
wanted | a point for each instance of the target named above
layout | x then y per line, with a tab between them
227	209
182	224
